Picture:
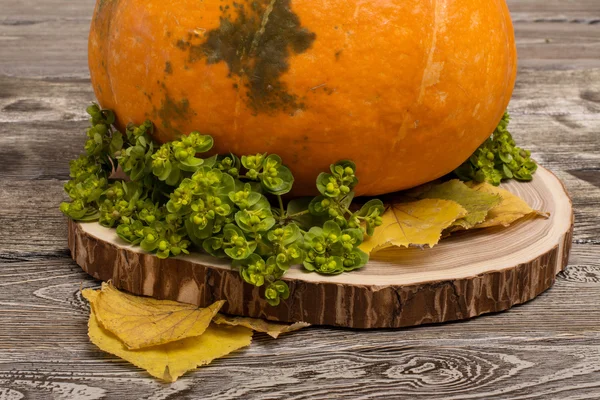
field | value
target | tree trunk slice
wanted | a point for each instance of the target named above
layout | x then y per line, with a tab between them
466	275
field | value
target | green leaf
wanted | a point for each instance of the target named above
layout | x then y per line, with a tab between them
298	212
174	177
253	269
477	203
164	171
370	213
354	260
245	198
201	143
236	245
254	162
109	116
353	236
229	164
116	142
291	234
333	265
276	178
255	221
332	231
227	184
346	201
339	169
214	247
276	291
505	157
507	172
191	164
150	241
345	173
327	186
141	141
199	232
93	110
210	162
319	206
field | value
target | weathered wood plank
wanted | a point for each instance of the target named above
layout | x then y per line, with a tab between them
402	369
26	100
38	49
536	9
545	349
560	46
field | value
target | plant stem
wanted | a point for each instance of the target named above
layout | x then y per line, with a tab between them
282	215
298	214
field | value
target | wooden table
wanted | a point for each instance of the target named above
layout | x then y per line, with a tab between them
546	349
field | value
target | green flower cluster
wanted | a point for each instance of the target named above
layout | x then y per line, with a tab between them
230	207
89	173
332	250
136	152
173	160
498	159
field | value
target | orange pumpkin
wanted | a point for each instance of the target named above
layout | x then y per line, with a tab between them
408	89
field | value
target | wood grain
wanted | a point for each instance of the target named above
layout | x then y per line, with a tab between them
545	349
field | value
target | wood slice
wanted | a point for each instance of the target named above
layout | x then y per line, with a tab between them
466	275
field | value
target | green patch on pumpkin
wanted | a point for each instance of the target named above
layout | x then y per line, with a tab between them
256	41
172	111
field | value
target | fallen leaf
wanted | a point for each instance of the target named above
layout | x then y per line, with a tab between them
511	209
90	295
169	361
142	321
418	223
477	203
273	329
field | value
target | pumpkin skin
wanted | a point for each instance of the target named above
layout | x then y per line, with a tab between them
407	89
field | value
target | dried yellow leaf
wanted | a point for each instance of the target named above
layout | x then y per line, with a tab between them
273	329
511	209
169	361
90	295
477	203
142	321
418	223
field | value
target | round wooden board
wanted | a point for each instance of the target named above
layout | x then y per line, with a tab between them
466	275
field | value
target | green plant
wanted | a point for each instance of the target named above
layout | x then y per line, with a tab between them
498	159
174	201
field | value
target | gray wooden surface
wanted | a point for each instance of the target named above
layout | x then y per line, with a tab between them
546	349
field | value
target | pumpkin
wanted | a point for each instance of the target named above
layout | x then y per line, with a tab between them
407	89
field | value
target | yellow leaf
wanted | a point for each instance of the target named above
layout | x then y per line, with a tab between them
273	329
90	295
477	203
418	223
169	361
142	321
511	209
